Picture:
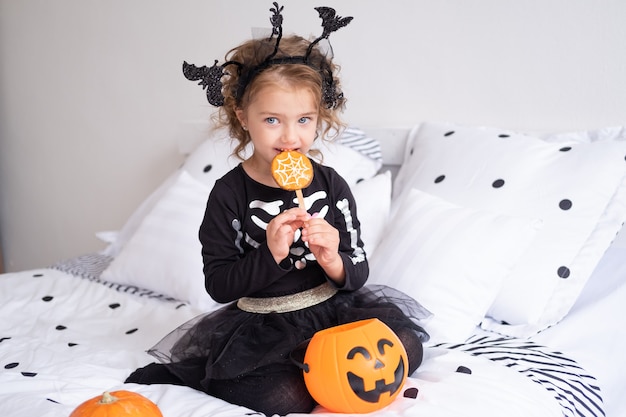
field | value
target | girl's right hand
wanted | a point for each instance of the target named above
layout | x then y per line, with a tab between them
281	231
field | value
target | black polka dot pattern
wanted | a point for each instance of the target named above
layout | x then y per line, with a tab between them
15	365
565	204
499	183
65	328
548	181
207	168
563	272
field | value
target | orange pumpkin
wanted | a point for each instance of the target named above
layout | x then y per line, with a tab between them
117	404
356	367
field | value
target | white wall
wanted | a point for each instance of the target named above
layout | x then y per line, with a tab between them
93	103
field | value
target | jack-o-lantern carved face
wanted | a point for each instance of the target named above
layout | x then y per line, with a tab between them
384	357
356	367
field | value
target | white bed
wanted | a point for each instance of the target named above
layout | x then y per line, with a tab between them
508	238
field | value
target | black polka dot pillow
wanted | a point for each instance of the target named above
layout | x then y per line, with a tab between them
577	188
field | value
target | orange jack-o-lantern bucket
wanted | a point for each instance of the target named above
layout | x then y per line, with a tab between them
356	367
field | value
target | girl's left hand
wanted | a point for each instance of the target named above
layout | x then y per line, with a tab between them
323	241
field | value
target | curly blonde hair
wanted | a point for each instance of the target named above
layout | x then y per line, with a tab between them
251	54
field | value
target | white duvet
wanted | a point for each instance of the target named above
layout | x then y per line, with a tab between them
65	339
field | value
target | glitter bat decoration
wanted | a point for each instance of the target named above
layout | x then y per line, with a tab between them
211	77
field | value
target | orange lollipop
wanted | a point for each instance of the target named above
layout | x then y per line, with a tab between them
292	171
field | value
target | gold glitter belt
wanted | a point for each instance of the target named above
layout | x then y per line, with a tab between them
287	303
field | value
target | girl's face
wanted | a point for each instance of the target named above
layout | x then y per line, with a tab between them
279	117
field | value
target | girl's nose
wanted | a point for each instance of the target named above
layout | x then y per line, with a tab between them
289	135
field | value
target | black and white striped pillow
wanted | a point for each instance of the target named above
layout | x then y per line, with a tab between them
359	141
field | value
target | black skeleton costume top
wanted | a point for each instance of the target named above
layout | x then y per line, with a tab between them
237	261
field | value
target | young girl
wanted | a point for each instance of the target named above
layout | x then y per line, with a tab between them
286	272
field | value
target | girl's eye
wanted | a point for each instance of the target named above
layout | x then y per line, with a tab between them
271	120
304	120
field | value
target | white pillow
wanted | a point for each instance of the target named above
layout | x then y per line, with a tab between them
373	201
451	259
577	187
164	254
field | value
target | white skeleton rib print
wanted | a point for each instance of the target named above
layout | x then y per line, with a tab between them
262	214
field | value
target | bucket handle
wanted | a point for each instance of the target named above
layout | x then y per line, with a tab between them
300	350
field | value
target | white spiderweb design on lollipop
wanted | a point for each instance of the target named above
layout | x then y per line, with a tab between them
293	171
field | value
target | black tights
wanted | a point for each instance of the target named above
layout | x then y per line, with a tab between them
413	346
270	390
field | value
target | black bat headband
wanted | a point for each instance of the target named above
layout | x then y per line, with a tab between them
211	77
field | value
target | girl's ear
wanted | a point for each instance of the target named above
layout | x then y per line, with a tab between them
241	117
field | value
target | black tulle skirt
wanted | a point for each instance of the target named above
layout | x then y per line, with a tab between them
230	342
